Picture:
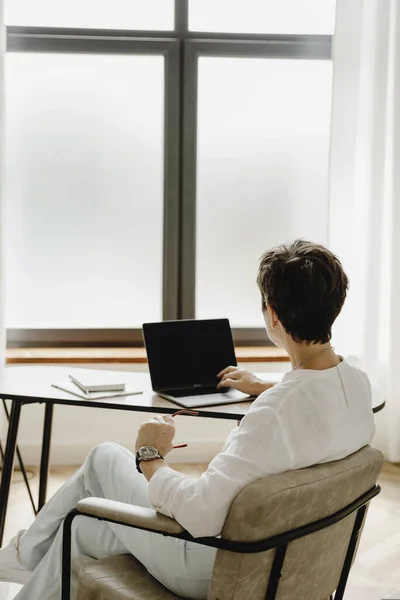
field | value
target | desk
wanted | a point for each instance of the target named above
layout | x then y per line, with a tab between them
32	385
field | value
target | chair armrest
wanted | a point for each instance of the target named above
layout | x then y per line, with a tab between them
129	514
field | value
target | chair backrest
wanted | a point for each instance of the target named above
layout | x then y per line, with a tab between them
280	503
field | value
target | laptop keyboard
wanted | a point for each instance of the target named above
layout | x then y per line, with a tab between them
194	392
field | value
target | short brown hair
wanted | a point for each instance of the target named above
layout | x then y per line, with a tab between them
306	286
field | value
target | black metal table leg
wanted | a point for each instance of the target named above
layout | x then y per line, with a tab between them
21	464
8	462
44	460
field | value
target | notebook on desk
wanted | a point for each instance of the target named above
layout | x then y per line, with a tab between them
185	357
74	390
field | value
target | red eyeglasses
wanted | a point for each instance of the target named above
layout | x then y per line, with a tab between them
181	412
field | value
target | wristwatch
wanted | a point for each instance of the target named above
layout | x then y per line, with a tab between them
147	453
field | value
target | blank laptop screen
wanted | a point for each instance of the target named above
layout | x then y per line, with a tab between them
188	353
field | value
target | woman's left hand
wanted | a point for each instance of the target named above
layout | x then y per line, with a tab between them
159	432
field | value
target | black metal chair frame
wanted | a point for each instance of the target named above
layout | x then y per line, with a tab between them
278	542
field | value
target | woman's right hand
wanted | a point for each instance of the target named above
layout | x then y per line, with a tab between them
242	380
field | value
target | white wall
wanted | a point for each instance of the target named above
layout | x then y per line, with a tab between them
77	430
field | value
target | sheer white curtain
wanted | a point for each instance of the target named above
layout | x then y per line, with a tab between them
364	197
2	225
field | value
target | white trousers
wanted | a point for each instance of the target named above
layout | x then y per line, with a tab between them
108	472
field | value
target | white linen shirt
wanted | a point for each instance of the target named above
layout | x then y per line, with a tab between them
304	420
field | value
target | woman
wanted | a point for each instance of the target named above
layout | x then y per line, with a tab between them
321	411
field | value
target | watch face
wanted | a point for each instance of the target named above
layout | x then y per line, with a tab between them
147	452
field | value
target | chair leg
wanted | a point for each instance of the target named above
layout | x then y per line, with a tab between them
66	555
350	552
276	572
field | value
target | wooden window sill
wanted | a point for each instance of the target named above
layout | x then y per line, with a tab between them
24	356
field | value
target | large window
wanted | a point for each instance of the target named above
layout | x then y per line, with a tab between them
85	173
154	151
92	14
262	16
262	163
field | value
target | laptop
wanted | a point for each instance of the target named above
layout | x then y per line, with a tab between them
184	358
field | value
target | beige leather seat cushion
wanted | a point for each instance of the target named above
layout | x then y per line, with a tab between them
119	578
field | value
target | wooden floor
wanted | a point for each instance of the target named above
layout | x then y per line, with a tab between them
375	574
